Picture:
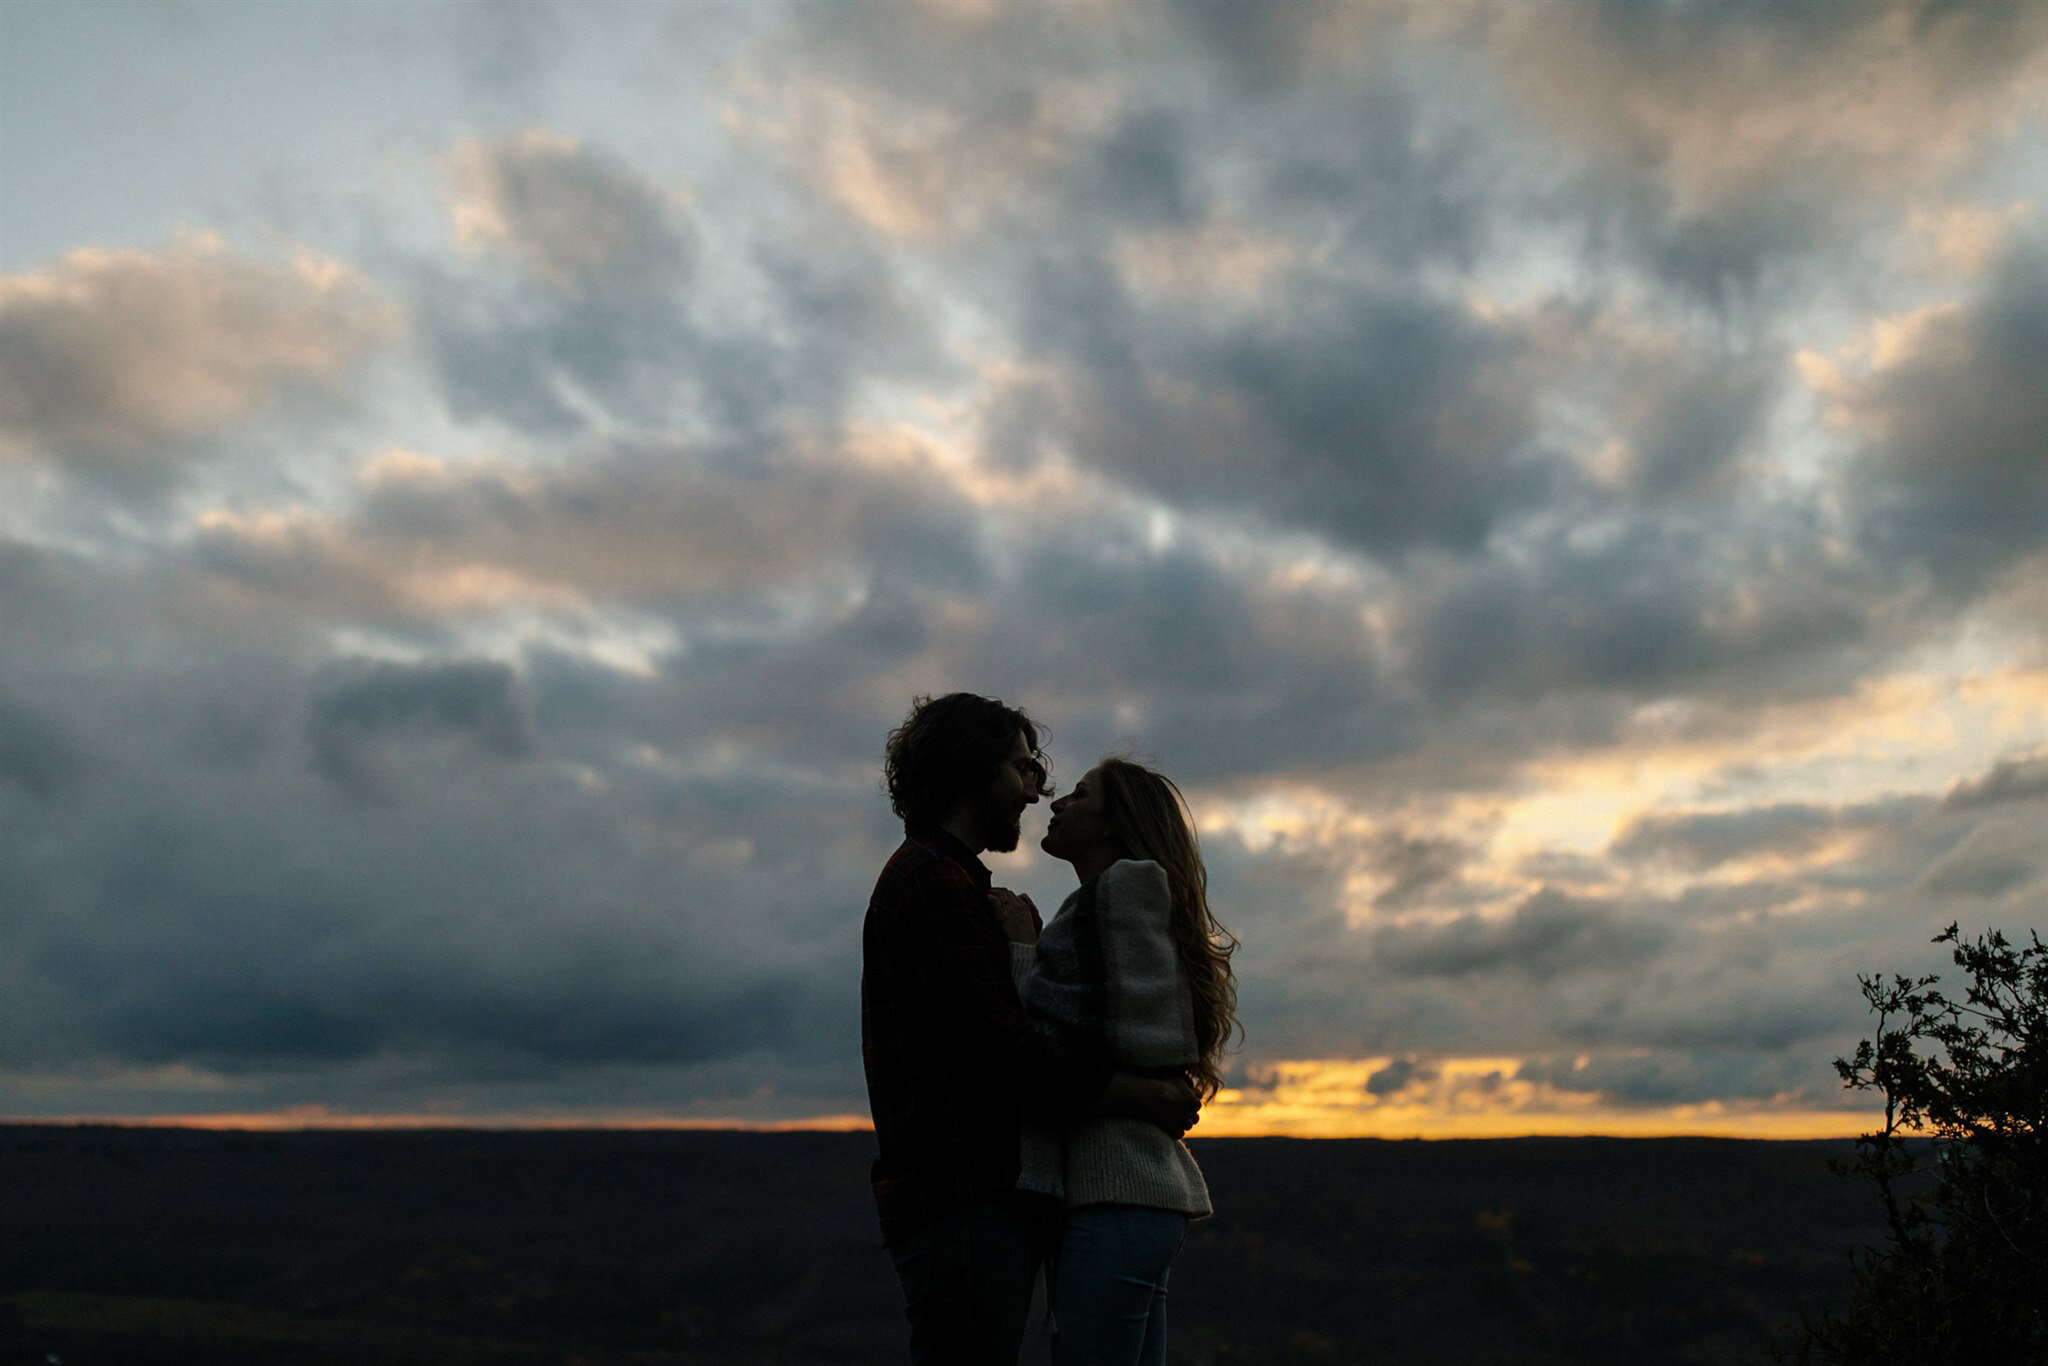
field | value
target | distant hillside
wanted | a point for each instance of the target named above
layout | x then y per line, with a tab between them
451	1247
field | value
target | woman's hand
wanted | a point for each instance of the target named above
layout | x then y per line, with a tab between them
1019	916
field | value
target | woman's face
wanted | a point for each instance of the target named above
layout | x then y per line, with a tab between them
1079	827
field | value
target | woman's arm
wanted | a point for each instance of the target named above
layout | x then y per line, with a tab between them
1172	1105
1149	1007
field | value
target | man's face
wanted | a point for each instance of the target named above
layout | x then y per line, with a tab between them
999	810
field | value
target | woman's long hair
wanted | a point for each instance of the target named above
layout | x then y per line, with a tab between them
1150	819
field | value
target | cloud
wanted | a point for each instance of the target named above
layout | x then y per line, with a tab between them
619	313
1549	935
1381	418
572	217
37	757
1953	478
926	123
1992	860
1725	100
912	174
543	885
1706	840
507	48
1414	866
1675	1076
471	700
1718	149
1396	1075
1643	604
1652	412
2020	778
594	321
116	356
1270	52
654	526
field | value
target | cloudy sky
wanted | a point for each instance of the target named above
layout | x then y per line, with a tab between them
1562	485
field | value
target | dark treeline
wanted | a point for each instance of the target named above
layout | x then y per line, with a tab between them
453	1246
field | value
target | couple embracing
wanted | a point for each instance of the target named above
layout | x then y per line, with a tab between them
1030	1082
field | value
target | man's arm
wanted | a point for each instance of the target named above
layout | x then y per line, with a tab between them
959	959
1172	1106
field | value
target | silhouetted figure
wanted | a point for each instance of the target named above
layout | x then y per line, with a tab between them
953	1063
1133	965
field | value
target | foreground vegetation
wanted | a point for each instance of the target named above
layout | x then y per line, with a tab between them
1959	1167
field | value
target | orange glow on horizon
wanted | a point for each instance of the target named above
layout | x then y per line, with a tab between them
1227	1122
1484	1097
1224	1118
1712	1120
1414	1097
318	1117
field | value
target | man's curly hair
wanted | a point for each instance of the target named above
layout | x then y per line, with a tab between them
947	749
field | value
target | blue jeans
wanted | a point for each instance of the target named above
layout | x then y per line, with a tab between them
1109	1288
967	1279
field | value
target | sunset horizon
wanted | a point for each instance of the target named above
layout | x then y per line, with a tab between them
1759	1126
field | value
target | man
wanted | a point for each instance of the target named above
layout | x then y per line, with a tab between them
952	1061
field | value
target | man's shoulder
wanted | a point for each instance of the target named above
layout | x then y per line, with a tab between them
913	859
918	872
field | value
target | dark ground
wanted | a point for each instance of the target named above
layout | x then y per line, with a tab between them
459	1247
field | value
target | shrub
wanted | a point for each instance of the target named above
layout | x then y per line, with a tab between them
1961	1164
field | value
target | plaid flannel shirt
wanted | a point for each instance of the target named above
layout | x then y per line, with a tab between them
952	1061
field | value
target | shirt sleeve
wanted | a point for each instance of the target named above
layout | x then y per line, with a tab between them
959	960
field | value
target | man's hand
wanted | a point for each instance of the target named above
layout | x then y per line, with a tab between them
1019	916
1171	1106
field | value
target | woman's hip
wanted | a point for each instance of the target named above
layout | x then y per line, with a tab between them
1135	1242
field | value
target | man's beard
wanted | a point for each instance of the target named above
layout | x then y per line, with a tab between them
1001	824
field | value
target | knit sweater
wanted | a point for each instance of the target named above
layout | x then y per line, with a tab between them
1106	969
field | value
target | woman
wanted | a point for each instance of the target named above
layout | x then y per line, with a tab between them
1134	963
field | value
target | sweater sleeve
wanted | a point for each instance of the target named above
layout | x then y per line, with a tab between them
1149	1006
